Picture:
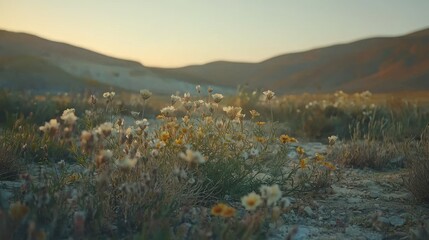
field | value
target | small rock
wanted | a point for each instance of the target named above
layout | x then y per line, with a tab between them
383	220
396	221
302	233
308	211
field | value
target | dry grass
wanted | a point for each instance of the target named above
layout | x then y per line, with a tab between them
418	155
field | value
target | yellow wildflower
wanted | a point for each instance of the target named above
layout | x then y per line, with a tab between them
228	212
164	136
18	211
261	139
303	163
319	157
251	201
300	150
254	113
218	209
260	123
286	139
329	166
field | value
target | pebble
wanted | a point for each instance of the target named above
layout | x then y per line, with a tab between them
308	211
396	221
302	234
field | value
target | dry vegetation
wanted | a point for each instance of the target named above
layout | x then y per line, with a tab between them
201	166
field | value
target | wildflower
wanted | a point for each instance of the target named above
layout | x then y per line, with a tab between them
69	117
332	140
303	163
366	94
271	193
218	209
261	139
210	107
175	99
168	111
165	136
198	103
186	97
18	211
188	105
228	212
186	119
109	95
72	178
87	140
232	112
300	150
145	94
127	163
251	201
318	157
92	99
217	97
178	141
50	127
142	124
119	123
269	94
219	123
254	114
208	120
156	143
329	166
105	129
103	157
254	152
260	124
192	156
286	139
198	88
223	210
240	117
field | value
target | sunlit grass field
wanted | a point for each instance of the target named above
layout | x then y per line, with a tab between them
194	165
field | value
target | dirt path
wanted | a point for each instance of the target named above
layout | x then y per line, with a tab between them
364	204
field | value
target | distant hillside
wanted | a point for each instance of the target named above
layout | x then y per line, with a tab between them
384	64
378	64
31	62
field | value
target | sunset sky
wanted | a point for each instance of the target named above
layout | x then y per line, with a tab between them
182	32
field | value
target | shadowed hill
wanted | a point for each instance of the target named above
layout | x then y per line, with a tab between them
377	64
29	62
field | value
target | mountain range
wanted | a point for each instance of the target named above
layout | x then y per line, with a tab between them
381	64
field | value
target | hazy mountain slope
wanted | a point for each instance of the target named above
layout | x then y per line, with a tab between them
80	63
32	73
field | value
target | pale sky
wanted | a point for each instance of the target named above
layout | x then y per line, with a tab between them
177	33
